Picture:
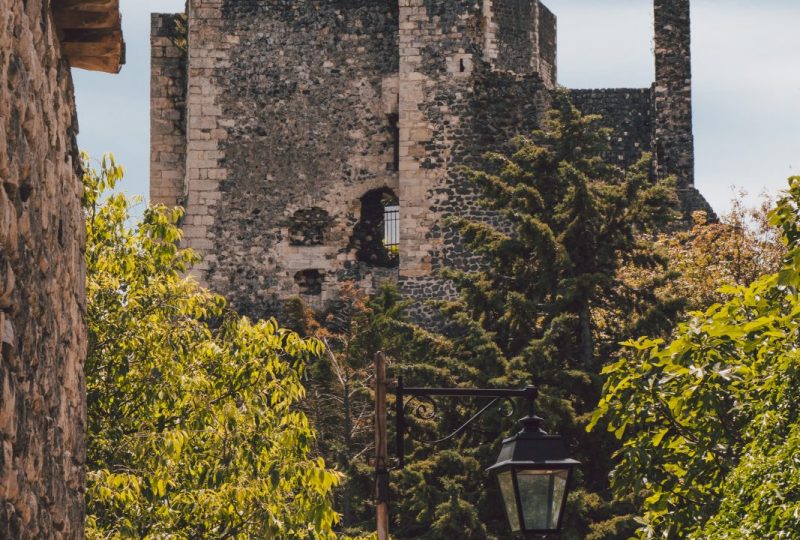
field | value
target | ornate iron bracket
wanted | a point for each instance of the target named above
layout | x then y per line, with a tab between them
426	409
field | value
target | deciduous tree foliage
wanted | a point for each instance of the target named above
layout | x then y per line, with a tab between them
709	419
736	250
194	429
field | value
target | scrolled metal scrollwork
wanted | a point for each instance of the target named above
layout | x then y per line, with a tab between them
507	407
426	409
420	403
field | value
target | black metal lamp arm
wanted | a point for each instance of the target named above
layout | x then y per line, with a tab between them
401	392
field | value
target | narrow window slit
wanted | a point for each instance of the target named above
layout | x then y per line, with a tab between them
394	130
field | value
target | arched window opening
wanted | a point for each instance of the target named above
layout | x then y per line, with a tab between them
376	236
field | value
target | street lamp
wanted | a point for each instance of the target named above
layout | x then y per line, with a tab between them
533	471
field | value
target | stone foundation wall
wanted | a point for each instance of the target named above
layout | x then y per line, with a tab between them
42	389
168	109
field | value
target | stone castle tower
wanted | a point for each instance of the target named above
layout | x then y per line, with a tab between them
317	141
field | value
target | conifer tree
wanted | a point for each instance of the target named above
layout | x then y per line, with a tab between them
548	305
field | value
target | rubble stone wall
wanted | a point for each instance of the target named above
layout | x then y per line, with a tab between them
456	102
524	36
674	147
42	388
296	118
302	114
628	112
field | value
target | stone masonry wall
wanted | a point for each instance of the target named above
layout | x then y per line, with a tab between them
456	102
208	55
548	46
517	26
42	389
168	109
521	38
300	123
674	147
298	113
628	112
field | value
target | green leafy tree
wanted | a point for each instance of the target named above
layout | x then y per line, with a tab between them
546	307
194	429
709	420
341	383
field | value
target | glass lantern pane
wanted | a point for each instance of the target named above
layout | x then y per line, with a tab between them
509	498
541	493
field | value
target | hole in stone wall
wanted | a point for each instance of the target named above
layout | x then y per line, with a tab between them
310	282
307	227
25	192
376	236
394	129
461	66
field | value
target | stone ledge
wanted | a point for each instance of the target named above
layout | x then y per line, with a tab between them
90	32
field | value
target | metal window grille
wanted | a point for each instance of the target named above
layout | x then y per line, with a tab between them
391	226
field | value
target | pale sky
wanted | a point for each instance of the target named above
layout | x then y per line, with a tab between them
746	67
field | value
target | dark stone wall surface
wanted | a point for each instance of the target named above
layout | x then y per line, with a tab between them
453	117
548	46
516	34
42	276
497	107
628	112
525	35
674	141
308	97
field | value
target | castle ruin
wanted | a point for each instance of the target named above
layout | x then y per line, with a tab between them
318	141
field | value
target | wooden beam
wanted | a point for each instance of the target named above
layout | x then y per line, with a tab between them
104	64
90	33
75	50
77	20
105	35
86	5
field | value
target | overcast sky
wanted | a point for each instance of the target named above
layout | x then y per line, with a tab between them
746	64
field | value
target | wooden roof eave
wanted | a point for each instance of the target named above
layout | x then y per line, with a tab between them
90	33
